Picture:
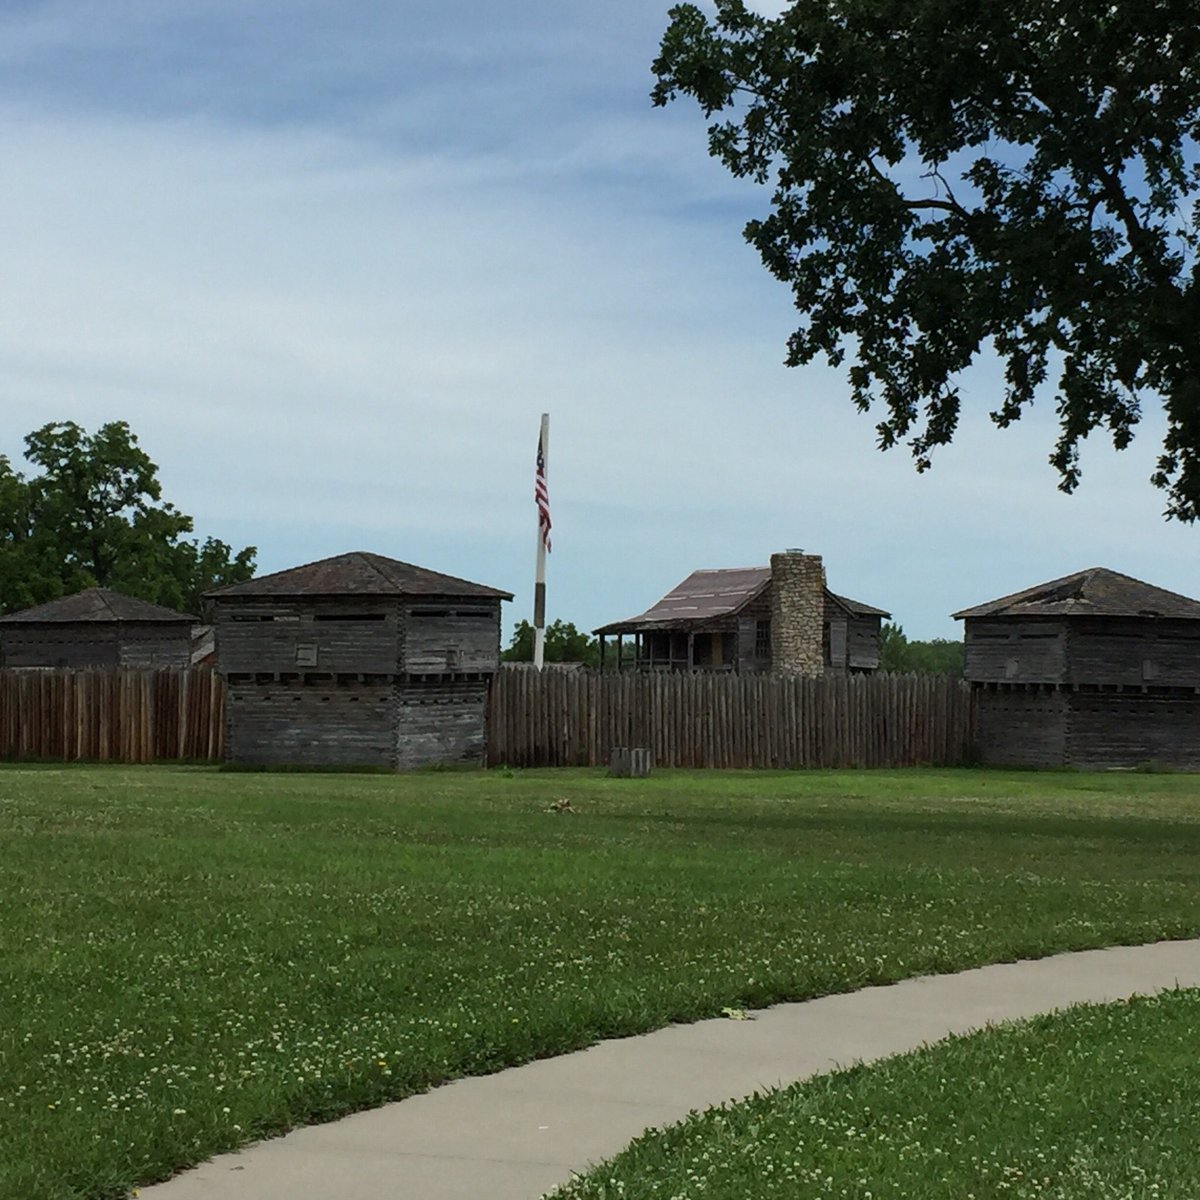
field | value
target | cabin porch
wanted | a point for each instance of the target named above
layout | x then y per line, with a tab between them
671	650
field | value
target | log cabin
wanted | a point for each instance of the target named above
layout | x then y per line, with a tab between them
1093	670
357	660
780	618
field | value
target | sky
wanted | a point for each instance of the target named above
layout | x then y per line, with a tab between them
332	260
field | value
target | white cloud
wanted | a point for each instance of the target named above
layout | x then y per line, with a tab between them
332	334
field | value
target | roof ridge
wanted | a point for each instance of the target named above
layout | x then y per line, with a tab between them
96	604
724	570
1102	590
356	572
104	594
367	556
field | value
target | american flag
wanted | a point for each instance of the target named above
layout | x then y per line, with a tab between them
542	495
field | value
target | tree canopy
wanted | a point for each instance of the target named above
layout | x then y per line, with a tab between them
93	516
951	176
938	656
564	643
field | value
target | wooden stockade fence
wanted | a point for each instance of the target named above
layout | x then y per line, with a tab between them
575	718
535	719
112	715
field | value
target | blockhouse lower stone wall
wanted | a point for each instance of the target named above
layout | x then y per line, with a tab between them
1131	729
330	723
1046	726
797	613
1022	727
313	724
441	723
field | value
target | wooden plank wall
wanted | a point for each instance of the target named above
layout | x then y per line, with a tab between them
112	715
575	718
275	635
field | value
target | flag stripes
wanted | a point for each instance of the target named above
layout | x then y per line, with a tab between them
541	494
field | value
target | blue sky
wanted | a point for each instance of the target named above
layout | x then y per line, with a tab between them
331	262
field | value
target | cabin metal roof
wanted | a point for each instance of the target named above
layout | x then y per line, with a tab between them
1096	592
856	608
359	573
710	595
96	606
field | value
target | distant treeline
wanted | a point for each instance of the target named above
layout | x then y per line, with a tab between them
939	656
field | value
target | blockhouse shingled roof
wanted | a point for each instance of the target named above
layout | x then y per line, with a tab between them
1096	592
709	595
359	573
95	605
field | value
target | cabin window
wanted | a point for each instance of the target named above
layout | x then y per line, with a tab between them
430	612
762	639
350	617
475	614
1035	637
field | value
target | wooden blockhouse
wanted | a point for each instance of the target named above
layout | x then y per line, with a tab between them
96	628
1093	670
357	660
780	618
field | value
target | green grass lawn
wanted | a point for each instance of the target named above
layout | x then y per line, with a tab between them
189	959
1095	1103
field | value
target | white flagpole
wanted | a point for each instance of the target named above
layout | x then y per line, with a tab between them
539	585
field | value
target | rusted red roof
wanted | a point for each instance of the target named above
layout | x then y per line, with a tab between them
709	595
1096	592
359	573
96	605
702	596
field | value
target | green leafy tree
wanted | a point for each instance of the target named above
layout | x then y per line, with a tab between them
564	643
28	572
893	648
93	516
938	656
950	175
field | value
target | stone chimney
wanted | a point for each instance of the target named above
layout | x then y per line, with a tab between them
797	613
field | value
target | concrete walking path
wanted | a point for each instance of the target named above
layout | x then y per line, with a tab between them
517	1134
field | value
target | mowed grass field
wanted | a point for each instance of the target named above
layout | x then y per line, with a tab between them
1095	1103
191	959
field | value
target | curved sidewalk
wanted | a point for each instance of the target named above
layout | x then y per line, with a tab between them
518	1133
